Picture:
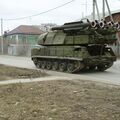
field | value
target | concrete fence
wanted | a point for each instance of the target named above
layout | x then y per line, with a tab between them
17	50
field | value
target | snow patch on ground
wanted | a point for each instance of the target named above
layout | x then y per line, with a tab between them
116	65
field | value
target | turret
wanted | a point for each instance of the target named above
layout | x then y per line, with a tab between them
81	33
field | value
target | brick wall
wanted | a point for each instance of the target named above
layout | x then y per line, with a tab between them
116	17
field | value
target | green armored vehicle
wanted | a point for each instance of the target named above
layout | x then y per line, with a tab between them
76	46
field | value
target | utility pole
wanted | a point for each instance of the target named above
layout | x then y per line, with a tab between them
103	9
109	10
2	35
93	9
95	5
97	10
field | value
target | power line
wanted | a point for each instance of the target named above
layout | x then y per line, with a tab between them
20	18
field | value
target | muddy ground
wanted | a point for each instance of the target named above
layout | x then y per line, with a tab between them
8	72
59	100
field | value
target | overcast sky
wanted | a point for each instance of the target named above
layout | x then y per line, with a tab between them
10	9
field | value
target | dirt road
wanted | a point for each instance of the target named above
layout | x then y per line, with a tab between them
111	76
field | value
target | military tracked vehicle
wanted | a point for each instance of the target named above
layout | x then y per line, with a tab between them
76	46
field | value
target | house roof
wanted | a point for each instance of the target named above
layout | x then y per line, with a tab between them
90	17
26	29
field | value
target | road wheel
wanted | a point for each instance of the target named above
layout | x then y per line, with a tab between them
49	65
62	67
35	61
43	64
70	67
55	66
38	64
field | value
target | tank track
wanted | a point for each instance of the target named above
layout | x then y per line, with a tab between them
69	66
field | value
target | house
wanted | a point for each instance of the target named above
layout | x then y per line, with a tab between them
21	40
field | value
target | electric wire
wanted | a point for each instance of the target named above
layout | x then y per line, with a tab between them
34	15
